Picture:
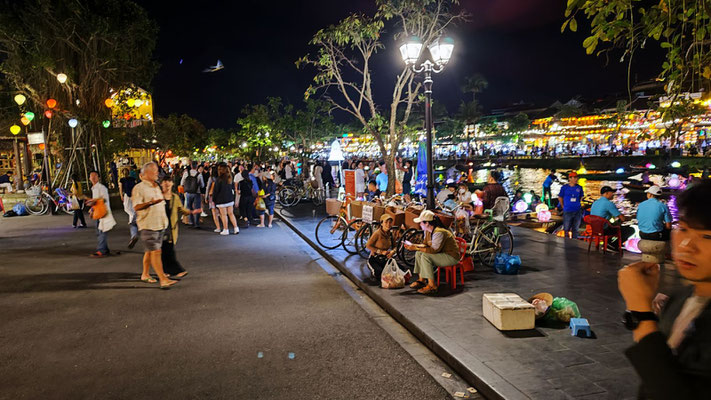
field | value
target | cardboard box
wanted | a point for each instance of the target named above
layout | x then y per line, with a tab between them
333	206
508	311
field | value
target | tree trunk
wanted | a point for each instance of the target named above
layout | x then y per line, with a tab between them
392	172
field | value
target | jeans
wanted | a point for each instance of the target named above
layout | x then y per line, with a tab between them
79	215
133	228
193	203
103	240
571	222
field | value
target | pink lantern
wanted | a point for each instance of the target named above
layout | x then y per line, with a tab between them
520	206
632	245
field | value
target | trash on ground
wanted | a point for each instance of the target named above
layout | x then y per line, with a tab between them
446	375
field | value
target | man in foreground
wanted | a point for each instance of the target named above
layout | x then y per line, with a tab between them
672	353
148	201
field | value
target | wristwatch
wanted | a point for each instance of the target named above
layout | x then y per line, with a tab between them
631	319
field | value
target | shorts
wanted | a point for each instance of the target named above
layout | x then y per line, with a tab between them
151	240
226	205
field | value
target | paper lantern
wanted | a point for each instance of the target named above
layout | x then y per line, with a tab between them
139	102
20	99
109	103
131	102
51	103
632	245
541	207
674	181
15	129
106	123
48	114
528	198
620	171
25	121
41	146
521	206
61	78
544	216
30	115
676	164
73	123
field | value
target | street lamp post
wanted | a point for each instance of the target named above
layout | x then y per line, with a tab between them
440	53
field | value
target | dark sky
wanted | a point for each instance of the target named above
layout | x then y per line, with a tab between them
515	44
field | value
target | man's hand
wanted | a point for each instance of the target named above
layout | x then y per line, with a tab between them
638	285
156	201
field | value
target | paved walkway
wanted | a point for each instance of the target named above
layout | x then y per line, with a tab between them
81	328
546	363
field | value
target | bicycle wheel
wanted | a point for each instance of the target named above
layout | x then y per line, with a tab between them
350	236
330	231
287	197
414	236
364	234
36	205
492	240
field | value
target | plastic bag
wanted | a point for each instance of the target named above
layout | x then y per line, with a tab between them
562	310
506	264
392	276
19	209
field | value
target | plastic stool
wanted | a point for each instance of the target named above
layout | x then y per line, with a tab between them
578	325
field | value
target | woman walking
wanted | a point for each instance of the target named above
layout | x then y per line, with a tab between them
173	208
79	194
224	197
210	200
269	197
246	198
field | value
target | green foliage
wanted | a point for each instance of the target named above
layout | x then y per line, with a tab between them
518	123
475	84
682	28
180	133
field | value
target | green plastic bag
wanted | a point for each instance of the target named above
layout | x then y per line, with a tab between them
562	310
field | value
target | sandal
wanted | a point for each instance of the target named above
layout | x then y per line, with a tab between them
148	280
168	285
97	254
417	284
181	275
427	290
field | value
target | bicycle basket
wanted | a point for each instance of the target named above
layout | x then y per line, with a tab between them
500	209
33	191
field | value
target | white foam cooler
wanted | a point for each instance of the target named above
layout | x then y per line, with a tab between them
508	311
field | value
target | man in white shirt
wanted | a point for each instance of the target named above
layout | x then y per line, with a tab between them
100	194
149	203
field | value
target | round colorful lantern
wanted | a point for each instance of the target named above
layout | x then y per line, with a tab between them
25	121
15	129
48	113
73	123
109	103
30	115
51	103
20	99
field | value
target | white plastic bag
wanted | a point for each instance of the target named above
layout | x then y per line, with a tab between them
392	276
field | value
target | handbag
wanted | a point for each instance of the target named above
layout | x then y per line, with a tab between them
99	209
75	202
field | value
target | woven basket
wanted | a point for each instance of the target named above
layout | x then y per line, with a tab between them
333	206
356	209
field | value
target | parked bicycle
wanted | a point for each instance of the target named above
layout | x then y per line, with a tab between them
296	191
39	201
339	230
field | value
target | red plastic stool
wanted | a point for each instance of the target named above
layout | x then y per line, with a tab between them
451	271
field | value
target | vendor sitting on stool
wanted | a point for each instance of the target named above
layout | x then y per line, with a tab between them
604	208
653	217
439	249
381	249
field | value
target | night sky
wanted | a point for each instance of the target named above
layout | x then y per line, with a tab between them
515	44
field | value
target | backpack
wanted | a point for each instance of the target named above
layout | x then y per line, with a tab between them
191	184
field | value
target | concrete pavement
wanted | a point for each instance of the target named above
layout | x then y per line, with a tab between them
75	327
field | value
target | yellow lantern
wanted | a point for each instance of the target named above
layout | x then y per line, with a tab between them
20	99
131	102
15	129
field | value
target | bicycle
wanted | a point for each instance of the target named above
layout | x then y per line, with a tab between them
339	230
491	235
291	195
38	201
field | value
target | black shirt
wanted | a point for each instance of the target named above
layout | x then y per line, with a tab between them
245	188
224	192
127	185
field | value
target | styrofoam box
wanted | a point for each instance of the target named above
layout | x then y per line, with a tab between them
508	311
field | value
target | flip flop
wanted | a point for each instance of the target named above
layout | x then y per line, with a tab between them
417	285
427	290
97	255
149	280
181	275
167	286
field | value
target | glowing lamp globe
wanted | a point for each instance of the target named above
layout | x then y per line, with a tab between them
131	102
73	123
106	123
632	245
15	129
30	115
650	166
25	121
20	99
109	103
41	146
441	50
410	50
541	207
620	171
51	103
676	164
61	78
48	114
520	206
674	181
138	102
544	216
528	198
